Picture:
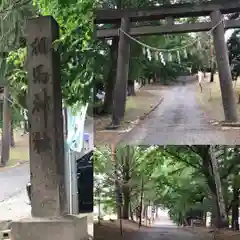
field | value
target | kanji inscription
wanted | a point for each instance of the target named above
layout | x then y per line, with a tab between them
41	103
39	76
39	46
41	142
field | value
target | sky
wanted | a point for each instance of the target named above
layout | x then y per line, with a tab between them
228	33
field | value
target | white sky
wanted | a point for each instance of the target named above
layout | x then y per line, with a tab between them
228	33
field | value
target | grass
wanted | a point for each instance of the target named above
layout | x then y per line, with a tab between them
20	152
211	100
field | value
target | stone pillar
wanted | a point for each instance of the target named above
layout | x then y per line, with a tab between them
45	119
225	76
48	195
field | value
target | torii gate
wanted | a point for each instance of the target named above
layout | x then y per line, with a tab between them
170	13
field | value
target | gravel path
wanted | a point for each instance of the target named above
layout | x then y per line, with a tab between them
179	120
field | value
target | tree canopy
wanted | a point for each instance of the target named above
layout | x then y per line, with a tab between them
189	181
86	62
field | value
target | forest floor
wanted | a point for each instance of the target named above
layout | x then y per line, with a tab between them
137	107
219	234
110	230
211	100
19	153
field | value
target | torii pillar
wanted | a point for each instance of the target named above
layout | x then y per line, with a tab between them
225	76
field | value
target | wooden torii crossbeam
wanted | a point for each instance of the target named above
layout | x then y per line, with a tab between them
164	11
125	17
166	29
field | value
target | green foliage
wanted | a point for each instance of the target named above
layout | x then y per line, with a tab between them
234	53
76	45
85	61
174	176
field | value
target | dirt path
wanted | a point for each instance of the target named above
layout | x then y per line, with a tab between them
157	232
180	120
13	181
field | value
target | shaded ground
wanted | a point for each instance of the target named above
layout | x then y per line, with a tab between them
208	233
13	181
180	119
136	108
19	153
210	99
109	231
14	203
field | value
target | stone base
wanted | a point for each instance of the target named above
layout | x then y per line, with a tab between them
62	228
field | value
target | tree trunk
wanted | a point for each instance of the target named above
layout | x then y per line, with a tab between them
99	205
216	215
65	122
218	184
131	212
208	173
6	129
126	179
12	141
141	203
145	213
117	187
109	86
235	209
131	88
149	79
212	75
126	202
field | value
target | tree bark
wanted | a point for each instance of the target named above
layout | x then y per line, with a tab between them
131	212
6	129
126	179
209	175
216	175
12	141
117	187
65	122
126	202
141	203
131	88
235	209
99	205
212	75
236	193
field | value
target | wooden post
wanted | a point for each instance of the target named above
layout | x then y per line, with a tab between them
120	90
46	120
225	77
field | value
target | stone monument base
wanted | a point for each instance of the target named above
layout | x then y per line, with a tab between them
70	227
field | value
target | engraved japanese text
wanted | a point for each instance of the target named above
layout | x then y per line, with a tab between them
41	104
39	76
39	46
